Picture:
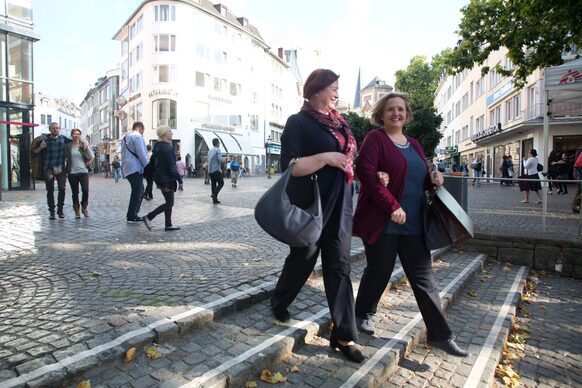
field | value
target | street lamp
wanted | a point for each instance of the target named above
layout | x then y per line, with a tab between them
267	145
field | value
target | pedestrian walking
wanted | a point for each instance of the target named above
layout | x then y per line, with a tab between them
234	172
51	153
116	165
166	176
530	171
388	219
552	171
148	174
477	167
78	158
206	175
215	170
577	175
181	168
134	159
106	167
318	141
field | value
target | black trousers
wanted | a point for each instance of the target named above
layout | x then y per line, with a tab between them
148	192
216	183
74	181
336	268
166	207
416	262
49	179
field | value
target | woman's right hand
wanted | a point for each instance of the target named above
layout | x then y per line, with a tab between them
398	216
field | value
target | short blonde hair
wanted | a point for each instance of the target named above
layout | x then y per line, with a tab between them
161	131
378	110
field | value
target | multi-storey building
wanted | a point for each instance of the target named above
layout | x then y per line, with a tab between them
367	96
53	109
16	93
100	116
206	73
487	115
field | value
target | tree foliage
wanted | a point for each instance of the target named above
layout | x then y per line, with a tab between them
359	125
536	33
420	80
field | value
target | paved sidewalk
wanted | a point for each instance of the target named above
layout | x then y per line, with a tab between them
70	285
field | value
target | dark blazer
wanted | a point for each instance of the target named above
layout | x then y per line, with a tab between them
305	136
165	172
376	202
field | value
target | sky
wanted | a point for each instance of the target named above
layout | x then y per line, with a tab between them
379	37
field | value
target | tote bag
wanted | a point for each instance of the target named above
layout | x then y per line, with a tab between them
445	221
286	222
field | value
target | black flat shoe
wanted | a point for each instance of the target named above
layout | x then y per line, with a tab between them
282	315
449	346
351	352
171	228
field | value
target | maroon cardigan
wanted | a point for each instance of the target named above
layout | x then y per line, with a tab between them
376	202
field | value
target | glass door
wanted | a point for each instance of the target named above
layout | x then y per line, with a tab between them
19	138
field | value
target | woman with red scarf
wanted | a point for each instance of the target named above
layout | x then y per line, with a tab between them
319	142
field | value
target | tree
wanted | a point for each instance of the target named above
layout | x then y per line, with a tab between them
420	80
536	34
359	125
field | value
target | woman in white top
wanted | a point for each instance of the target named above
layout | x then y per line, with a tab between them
530	170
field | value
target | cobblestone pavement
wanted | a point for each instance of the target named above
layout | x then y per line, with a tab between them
69	285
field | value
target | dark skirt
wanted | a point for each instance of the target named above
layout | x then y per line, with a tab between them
530	186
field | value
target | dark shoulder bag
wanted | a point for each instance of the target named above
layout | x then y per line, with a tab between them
286	222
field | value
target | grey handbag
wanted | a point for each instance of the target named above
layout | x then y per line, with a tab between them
286	222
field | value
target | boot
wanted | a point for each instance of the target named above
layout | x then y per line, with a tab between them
77	212
84	209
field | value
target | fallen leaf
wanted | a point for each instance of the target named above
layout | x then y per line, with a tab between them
270	378
251	384
153	354
95	274
294	369
472	293
130	355
84	384
266	375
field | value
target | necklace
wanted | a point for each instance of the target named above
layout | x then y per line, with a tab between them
399	141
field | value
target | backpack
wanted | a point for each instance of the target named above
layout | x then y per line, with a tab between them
234	166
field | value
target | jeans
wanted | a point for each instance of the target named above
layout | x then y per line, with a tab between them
136	182
216	183
49	179
166	208
416	262
117	174
477	178
74	181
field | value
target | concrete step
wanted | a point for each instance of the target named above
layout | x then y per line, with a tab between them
238	346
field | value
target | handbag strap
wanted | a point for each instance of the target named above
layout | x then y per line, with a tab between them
127	148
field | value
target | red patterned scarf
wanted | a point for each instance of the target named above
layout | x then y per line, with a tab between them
335	121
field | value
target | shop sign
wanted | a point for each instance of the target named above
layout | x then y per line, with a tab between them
156	92
492	130
451	150
219	99
273	148
135	96
505	89
217	127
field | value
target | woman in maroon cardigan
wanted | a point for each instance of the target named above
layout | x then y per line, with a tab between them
389	219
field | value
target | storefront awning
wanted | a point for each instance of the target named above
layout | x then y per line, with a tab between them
207	136
230	145
246	148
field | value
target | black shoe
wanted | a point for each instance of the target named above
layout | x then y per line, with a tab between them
576	209
147	197
171	228
135	220
449	346
52	216
351	352
282	315
60	214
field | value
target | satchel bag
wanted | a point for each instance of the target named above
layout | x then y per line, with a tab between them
445	221
286	222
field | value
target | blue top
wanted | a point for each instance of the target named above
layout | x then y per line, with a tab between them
214	160
133	153
412	196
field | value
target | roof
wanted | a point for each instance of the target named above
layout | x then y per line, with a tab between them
377	82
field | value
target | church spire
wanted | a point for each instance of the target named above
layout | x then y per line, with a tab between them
357	102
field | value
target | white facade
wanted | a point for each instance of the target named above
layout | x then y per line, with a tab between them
206	73
50	109
487	115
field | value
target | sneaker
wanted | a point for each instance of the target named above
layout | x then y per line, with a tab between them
135	220
365	325
147	222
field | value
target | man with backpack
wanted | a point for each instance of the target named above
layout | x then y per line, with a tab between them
234	171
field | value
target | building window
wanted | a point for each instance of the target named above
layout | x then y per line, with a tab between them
124	70
19	9
135	28
235	121
135	82
136	112
164	112
494	77
103	95
480	123
136	54
495	116
479	87
165	13
49	119
43	119
164	43
465	133
217	84
164	73
235	89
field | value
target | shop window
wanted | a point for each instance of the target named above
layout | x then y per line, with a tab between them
164	112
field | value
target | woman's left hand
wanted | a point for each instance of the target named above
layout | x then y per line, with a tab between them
437	178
